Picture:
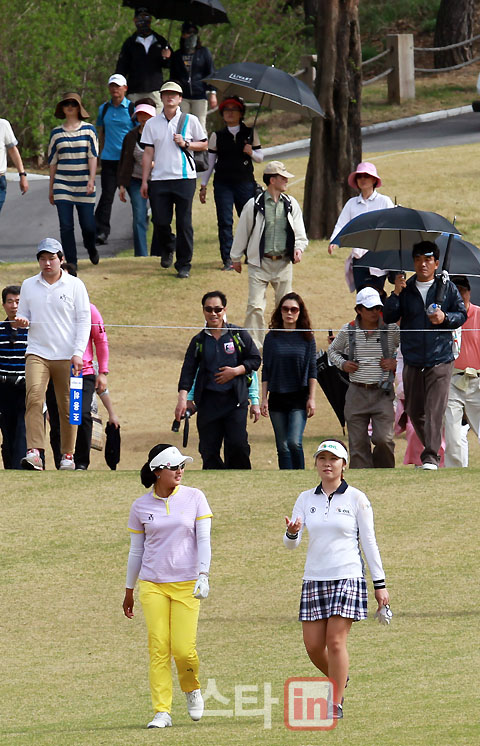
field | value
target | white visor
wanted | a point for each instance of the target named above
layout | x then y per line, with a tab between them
332	446
168	457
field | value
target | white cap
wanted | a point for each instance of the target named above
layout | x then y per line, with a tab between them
118	79
368	297
332	446
169	457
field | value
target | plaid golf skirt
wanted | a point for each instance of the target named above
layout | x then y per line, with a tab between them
322	599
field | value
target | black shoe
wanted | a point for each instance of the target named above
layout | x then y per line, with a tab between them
80	467
227	267
101	239
182	274
94	257
166	260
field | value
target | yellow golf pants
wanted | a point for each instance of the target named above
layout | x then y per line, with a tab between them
171	615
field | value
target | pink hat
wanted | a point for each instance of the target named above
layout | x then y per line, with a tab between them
364	168
147	109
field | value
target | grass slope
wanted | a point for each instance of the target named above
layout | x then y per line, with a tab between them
75	670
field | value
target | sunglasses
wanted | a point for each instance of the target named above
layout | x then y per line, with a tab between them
70	102
373	308
174	468
290	309
213	309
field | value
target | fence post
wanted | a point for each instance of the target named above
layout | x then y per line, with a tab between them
401	81
308	63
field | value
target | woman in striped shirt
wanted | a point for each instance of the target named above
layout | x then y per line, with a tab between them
72	157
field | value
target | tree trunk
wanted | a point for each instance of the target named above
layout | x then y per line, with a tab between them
454	24
336	141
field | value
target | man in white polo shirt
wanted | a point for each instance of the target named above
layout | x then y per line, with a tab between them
173	178
56	307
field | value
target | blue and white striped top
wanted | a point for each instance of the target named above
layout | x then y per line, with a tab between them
70	151
13	345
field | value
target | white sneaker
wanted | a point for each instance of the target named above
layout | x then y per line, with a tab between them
67	462
32	460
160	720
195	704
429	467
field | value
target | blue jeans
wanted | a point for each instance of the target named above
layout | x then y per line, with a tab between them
3	189
67	230
226	196
288	428
140	217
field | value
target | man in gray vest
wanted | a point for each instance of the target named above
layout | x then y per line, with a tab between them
366	349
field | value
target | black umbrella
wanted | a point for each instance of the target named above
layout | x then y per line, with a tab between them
397	228
334	384
464	259
267	86
199	12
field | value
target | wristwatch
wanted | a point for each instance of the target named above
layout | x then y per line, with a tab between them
22	173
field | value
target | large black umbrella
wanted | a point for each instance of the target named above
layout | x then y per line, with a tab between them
267	86
464	259
397	228
199	12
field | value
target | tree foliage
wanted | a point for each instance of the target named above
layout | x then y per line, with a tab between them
48	48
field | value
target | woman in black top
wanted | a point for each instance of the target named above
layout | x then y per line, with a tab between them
231	152
289	378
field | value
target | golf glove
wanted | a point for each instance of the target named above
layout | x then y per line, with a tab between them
385	615
201	587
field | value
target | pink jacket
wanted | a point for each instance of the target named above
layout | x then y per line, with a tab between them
98	335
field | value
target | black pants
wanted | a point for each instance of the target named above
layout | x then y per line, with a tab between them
220	419
164	196
108	181
84	431
12	422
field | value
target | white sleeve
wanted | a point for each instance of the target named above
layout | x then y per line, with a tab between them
202	532
212	159
367	538
344	218
23	309
135	556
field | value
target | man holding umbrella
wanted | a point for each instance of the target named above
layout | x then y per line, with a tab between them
426	345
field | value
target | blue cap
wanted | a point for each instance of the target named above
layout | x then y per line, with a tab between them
50	246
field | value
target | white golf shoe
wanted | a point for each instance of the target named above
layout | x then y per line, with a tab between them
195	704
160	720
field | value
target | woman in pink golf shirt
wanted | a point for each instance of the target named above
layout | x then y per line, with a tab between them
170	554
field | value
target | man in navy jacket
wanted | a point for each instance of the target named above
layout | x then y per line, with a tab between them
427	345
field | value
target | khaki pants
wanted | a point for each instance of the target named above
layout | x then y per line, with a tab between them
38	371
459	400
361	406
276	273
196	107
154	95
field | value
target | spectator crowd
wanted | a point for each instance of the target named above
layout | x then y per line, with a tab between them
401	353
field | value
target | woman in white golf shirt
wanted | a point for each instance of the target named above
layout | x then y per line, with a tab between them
334	591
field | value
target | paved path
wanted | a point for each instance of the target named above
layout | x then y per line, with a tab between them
24	221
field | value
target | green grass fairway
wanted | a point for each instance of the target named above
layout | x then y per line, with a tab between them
74	669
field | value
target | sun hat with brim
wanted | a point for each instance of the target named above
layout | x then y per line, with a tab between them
50	246
332	446
146	108
276	168
170	85
170	456
364	168
60	114
369	298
